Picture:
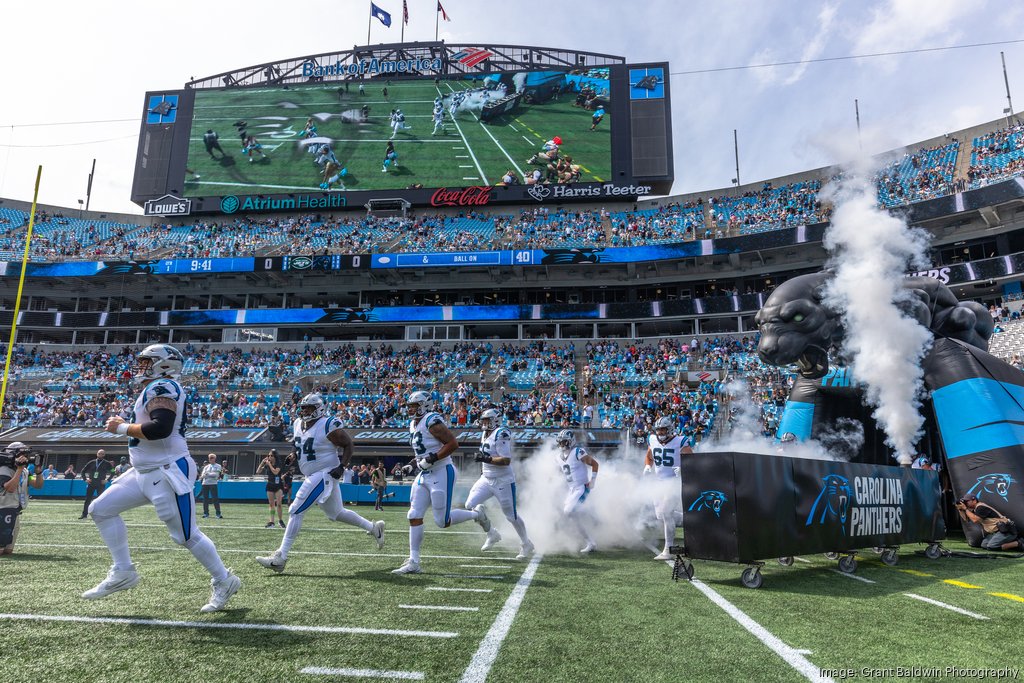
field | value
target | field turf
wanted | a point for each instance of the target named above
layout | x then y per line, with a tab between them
614	616
469	153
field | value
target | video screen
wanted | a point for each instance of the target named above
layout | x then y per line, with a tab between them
488	129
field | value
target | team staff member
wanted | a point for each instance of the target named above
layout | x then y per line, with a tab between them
287	475
211	474
379	482
272	466
96	474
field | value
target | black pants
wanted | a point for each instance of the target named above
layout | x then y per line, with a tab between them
205	494
380	497
92	490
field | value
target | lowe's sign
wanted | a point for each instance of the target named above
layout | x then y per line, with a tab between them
311	69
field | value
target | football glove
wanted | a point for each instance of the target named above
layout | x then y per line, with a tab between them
676	471
484	457
407	469
648	469
426	462
337	472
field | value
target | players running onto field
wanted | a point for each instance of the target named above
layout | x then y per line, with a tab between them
580	471
318	439
664	448
390	157
163	473
251	145
497	480
432	446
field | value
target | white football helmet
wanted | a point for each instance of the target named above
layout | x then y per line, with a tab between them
418	404
158	361
311	409
489	419
665	429
566	440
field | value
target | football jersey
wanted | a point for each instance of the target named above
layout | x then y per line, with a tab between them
315	451
498	443
666	456
577	472
159	452
424	443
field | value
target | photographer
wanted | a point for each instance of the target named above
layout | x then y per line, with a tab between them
14	482
272	465
998	532
96	474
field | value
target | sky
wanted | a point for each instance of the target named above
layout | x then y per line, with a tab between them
72	63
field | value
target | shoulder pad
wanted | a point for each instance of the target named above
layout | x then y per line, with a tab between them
432	419
163	387
503	433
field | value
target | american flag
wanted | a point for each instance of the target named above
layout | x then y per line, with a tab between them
444	15
405	12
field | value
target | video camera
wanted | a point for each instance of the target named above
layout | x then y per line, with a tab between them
9	456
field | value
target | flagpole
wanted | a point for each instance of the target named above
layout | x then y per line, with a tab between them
369	23
437	20
404	12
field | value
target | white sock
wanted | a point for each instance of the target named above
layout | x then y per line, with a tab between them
415	541
115	534
520	526
202	549
670	531
353	518
291	532
460	516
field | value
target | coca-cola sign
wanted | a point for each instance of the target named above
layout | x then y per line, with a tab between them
468	196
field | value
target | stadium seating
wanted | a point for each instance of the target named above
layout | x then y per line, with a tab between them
996	155
925	174
769	209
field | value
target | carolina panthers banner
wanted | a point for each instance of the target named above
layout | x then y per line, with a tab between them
979	408
743	507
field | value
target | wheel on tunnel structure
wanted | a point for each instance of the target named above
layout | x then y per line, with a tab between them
751	577
848	564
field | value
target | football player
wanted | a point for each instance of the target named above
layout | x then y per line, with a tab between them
323	450
438	118
664	447
580	471
432	446
163	473
497	480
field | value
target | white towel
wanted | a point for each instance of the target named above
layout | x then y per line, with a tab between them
177	479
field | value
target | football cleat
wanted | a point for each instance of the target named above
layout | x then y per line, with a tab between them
275	562
663	555
117	580
492	539
482	519
525	551
408	567
222	592
588	548
378	533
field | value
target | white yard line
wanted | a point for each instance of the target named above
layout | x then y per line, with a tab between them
852	576
466	143
480	666
363	673
472	576
800	559
943	605
503	150
460	590
293	628
257	552
528	140
214	525
791	656
441	608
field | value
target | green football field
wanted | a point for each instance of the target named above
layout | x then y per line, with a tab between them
468	153
337	613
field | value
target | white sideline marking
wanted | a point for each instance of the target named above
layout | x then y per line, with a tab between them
805	652
483	659
472	177
471	576
213	525
460	590
958	610
363	673
244	626
256	552
527	139
513	127
441	608
503	150
795	658
800	559
469	149
851	576
470	166
485	566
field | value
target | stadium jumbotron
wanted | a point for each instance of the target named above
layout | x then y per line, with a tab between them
437	290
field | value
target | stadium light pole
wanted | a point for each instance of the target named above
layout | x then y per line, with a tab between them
1006	81
856	111
88	186
736	151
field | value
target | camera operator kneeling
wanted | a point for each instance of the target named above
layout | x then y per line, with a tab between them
14	482
999	531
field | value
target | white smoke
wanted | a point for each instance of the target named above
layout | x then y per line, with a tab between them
519	80
870	252
474	100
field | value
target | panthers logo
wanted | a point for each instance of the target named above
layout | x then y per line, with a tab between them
709	500
833	501
998	484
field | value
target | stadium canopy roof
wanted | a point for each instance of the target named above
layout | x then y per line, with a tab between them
455	60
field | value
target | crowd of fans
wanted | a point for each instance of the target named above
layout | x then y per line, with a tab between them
996	156
925	174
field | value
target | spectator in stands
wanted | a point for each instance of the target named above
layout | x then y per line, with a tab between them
69	473
50	472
